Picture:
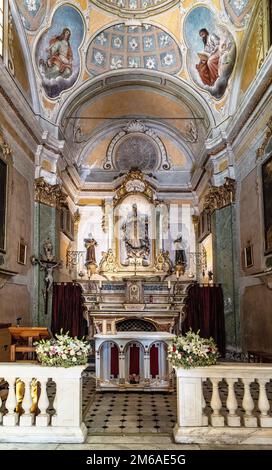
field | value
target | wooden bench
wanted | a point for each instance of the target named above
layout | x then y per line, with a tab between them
26	335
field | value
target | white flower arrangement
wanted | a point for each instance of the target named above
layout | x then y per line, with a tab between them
62	351
192	351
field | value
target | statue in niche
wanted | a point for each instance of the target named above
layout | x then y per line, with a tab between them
135	236
90	244
180	256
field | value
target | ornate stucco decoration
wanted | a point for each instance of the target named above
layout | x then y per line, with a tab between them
220	196
150	148
5	149
135	8
50	195
261	150
134	183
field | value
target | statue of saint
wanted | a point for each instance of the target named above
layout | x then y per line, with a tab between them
180	256
136	238
90	244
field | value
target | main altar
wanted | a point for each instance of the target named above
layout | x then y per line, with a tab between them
134	287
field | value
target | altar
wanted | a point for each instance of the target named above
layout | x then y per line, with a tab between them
133	361
134	290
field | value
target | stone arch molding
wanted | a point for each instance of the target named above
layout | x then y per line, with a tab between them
137	129
135	8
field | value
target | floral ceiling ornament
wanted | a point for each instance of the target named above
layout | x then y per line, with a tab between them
32	13
135	8
239	11
133	46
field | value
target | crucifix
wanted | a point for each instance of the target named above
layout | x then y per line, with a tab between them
47	264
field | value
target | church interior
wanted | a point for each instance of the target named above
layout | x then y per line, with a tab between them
135	205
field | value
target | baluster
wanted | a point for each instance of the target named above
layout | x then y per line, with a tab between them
263	405
43	418
27	418
216	404
232	419
11	418
204	417
250	421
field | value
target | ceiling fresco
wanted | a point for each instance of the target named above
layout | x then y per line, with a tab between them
57	52
32	13
123	46
135	8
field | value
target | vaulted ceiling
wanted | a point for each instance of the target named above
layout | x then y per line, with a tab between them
126	77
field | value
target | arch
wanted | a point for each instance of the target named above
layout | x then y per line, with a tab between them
27	56
160	81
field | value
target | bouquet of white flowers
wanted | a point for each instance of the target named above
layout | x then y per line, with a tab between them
62	351
192	351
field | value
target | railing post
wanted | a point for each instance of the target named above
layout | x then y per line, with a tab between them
248	404
232	419
11	418
27	418
263	405
216	404
43	418
189	396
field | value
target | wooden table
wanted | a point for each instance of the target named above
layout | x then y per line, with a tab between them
27	335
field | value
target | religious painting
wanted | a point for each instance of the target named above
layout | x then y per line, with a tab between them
133	47
32	13
267	203
3	203
22	250
57	52
211	51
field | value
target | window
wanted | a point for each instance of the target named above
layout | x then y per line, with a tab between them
67	223
3	203
1	26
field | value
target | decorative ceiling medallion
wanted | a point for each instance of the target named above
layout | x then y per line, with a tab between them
238	11
125	47
135	8
136	146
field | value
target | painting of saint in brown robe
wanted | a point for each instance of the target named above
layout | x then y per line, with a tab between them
208	67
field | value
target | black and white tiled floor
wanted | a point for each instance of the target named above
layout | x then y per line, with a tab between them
131	412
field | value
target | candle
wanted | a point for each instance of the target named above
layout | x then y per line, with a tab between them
100	284
169	285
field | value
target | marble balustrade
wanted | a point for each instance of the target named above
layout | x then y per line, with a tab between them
28	416
230	419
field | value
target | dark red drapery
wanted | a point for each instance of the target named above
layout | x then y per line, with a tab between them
154	361
205	312
114	361
134	363
67	310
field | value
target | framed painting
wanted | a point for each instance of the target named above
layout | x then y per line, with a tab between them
3	203
248	255
267	203
22	250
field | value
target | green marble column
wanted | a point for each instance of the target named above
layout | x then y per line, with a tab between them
226	269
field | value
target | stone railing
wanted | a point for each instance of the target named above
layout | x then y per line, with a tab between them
224	404
41	404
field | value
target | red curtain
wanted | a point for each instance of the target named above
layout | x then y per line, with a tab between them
67	310
154	361
205	312
114	361
134	364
